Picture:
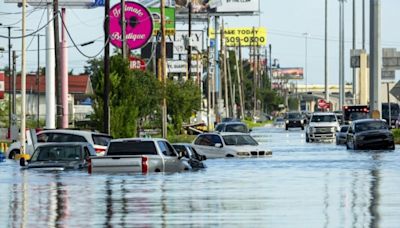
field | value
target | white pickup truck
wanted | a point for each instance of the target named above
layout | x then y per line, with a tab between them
139	155
323	126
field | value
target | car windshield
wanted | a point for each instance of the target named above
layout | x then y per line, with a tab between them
294	116
370	126
239	140
236	128
358	115
102	140
323	118
57	153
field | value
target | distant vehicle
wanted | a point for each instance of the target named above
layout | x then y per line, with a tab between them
230	119
139	155
98	140
397	124
195	159
60	156
339	117
294	120
341	135
354	112
214	145
322	126
232	127
369	134
394	113
279	122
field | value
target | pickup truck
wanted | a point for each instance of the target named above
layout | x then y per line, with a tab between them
323	126
139	155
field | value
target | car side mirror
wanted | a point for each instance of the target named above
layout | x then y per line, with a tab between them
250	130
218	145
23	162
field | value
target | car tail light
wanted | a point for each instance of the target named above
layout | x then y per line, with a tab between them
89	161
145	164
100	150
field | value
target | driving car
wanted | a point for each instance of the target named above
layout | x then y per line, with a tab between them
220	145
369	134
60	156
341	135
322	127
294	120
195	159
279	122
232	127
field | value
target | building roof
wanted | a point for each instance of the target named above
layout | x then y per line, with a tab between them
77	84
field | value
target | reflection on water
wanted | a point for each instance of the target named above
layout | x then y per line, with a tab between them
316	185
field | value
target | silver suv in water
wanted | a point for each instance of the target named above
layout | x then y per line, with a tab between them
322	126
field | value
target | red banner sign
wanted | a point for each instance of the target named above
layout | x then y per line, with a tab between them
136	63
2	86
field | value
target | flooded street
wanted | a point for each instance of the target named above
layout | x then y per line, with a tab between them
301	185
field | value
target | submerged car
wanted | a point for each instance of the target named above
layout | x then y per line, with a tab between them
369	134
232	127
279	122
341	135
195	159
60	156
215	145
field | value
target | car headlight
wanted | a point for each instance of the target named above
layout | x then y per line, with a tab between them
243	153
302	121
287	121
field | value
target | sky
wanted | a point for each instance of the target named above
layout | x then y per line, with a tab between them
285	20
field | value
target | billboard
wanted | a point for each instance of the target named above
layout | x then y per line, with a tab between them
2	85
244	36
139	28
196	41
201	8
294	73
169	20
62	3
180	66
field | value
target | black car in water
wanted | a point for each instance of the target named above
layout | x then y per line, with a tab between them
369	134
294	119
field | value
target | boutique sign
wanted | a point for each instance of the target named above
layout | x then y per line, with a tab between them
139	25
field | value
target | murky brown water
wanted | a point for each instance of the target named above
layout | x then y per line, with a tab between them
301	185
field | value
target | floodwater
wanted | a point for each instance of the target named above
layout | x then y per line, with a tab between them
300	185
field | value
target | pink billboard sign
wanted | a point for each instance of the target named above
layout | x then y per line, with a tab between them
139	25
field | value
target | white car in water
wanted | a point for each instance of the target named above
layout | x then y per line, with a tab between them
220	145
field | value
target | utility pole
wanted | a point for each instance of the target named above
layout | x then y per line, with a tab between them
38	81
14	86
189	48
50	71
375	60
255	74
58	68
270	65
208	78
240	84
123	24
224	62
326	53
354	89
23	83
363	24
341	55
306	60
217	77
241	76
163	69
106	98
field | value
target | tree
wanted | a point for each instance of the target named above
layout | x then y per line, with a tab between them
183	99
133	95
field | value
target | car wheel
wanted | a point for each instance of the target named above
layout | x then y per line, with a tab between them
229	156
12	154
286	127
355	147
347	146
302	128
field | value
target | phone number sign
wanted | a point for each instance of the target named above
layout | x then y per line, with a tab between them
245	37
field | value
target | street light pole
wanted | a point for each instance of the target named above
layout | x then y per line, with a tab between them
326	52
306	58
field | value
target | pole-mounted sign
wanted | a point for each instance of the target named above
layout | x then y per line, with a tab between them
139	28
2	85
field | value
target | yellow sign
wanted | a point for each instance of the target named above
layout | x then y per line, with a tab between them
245	37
